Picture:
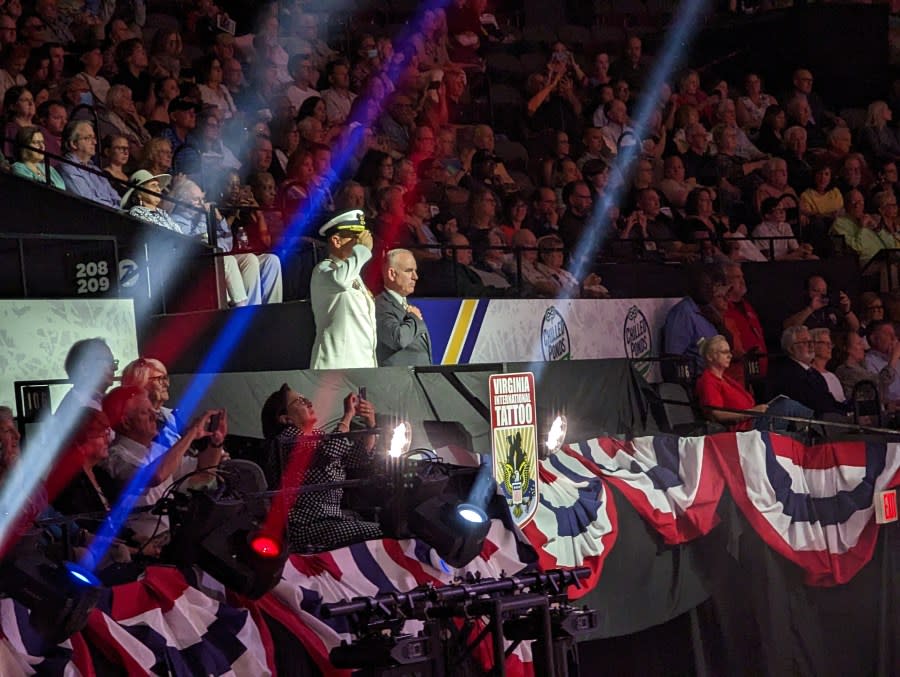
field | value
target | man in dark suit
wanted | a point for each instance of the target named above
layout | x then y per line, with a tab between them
402	335
796	378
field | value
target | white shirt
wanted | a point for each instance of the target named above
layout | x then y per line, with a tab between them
297	96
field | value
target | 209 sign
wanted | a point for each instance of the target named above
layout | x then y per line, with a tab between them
92	277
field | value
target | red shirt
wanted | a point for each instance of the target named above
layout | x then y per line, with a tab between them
743	322
715	391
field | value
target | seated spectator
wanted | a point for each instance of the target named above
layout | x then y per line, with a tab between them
166	50
11	75
775	238
242	216
617	132
795	377
886	180
52	118
854	174
338	97
298	184
145	205
823	348
250	279
80	174
822	200
862	232
543	217
771	132
886	204
655	230
165	91
489	254
699	164
819	310
482	209
92	63
19	111
871	310
674	186
124	119
264	192
800	114
116	155
700	216
685	325
776	186
79	485
131	59
91	368
215	156
632	65
453	274
156	156
31	162
397	124
839	143
717	390
744	147
415	231
563	283
741	319
800	172
523	272
882	358
579	204
213	91
183	120
483	139
152	376
594	144
752	108
133	419
515	217
297	454
878	141
852	365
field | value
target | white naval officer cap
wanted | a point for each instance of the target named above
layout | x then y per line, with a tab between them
353	221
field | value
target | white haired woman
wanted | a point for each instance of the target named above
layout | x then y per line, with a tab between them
716	390
876	139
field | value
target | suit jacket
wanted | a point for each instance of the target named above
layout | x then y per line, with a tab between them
806	386
403	338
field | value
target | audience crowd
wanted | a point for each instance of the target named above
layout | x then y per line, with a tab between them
273	113
248	118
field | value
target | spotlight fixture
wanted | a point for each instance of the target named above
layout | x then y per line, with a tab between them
400	440
556	437
223	537
455	530
59	595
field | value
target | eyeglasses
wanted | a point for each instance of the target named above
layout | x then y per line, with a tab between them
305	401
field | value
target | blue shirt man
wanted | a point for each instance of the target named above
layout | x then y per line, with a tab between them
80	143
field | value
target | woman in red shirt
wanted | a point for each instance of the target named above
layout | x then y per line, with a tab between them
716	389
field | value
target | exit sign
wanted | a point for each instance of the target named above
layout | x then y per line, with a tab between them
886	506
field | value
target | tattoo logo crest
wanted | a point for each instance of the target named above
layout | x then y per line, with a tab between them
514	442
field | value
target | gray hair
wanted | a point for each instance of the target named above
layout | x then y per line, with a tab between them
6	414
819	333
391	257
706	346
791	132
789	336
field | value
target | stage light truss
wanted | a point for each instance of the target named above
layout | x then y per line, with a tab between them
519	608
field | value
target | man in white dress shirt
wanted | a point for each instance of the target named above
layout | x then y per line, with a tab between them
342	306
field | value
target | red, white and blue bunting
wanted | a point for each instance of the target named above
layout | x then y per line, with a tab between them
813	505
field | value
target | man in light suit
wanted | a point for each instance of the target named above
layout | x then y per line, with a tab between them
403	338
342	305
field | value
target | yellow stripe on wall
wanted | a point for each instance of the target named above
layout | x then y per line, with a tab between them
460	331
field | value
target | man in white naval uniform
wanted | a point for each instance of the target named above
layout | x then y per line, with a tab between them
342	305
